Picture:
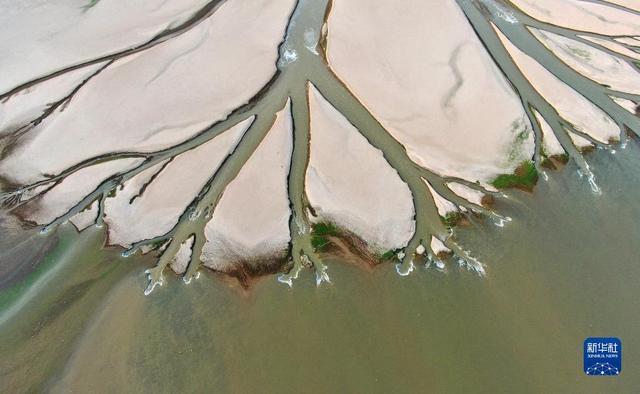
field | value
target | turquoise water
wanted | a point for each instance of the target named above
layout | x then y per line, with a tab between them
565	268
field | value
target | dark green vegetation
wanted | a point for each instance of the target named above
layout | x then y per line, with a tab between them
555	161
389	254
452	218
524	178
91	4
320	233
157	244
326	234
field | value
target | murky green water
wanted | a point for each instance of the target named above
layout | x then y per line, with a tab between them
566	268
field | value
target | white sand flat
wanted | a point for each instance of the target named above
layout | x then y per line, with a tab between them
162	96
584	16
460	125
252	217
583	114
72	189
157	210
39	37
351	184
592	63
31	103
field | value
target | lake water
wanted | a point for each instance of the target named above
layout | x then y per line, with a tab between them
564	269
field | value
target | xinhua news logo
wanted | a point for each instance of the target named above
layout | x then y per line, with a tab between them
602	356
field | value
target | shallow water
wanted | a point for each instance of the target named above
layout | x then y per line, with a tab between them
564	269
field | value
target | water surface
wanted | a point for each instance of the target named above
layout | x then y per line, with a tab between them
564	269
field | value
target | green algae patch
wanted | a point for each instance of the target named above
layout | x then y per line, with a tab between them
90	4
452	218
522	134
327	238
525	178
320	234
155	245
389	255
555	162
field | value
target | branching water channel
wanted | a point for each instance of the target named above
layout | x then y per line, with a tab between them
301	65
